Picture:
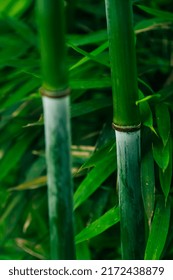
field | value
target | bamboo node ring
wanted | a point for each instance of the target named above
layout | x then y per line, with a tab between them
54	94
126	128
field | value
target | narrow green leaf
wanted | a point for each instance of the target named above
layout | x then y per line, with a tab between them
14	8
11	215
24	65
13	156
10	54
166	176
145	84
22	91
159	231
148	97
149	24
91	38
99	155
87	56
161	153
163	121
40	122
158	13
82	249
109	219
89	106
166	93
37	167
148	183
145	111
94	179
22	29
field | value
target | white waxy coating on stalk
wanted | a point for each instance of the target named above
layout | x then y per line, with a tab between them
131	211
56	112
58	143
57	132
128	146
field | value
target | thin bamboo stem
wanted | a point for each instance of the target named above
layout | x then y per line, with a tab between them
126	122
55	96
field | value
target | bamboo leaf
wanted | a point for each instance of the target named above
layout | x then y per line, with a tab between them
163	121
91	38
94	53
109	219
166	175
31	185
89	106
166	93
87	56
145	111
21	28
149	24
146	85
31	248
82	249
11	214
148	97
12	157
161	153
21	92
99	155
148	183
14	8
158	13
159	231
94	179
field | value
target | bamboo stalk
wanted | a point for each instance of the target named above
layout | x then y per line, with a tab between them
55	96
126	122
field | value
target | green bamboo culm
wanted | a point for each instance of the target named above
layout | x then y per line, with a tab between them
123	62
52	40
56	106
126	122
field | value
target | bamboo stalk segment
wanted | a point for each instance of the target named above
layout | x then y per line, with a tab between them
51	23
55	96
130	200
123	62
126	122
57	133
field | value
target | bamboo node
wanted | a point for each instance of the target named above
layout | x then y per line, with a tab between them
54	94
126	128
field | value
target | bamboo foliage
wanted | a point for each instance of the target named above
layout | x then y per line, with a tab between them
24	223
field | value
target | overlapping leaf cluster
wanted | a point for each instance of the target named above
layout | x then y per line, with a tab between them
24	232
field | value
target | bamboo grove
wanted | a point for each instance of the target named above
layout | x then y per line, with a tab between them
86	129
